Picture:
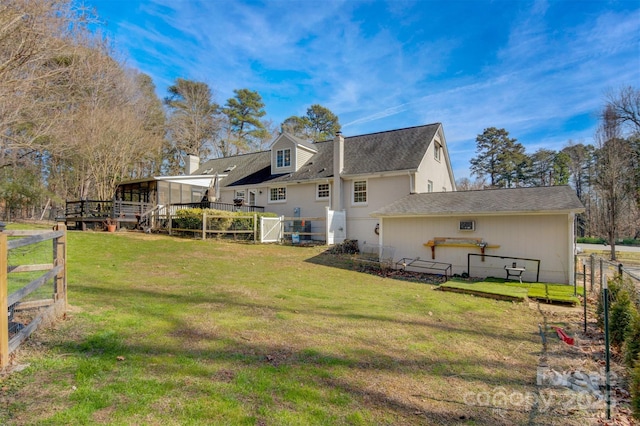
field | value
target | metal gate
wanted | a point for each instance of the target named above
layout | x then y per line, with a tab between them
271	229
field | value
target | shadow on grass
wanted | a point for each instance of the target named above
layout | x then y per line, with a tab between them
350	263
368	374
327	372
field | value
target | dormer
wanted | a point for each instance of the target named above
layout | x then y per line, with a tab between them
289	153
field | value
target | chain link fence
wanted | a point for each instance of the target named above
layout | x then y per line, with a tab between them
593	271
614	289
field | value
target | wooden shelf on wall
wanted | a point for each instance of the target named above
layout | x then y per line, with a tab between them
458	242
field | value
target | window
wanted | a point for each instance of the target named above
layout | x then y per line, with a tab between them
278	194
322	191
360	192
239	195
429	186
283	158
437	148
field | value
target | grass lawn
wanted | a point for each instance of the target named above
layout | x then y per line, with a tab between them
167	331
551	293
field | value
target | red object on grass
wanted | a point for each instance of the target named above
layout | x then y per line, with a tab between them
562	335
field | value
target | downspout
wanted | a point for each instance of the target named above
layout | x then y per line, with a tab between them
338	167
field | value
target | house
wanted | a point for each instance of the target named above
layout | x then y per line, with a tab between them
482	233
357	175
393	188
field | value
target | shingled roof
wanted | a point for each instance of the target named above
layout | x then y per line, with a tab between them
549	199
401	149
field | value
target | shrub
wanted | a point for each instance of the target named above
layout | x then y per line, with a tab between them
222	220
616	285
217	220
632	341
590	240
621	316
188	219
635	391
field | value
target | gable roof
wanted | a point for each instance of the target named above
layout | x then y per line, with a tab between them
393	150
387	151
298	141
549	199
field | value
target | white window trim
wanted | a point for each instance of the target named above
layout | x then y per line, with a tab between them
353	192
283	166
429	186
240	194
437	152
318	197
270	201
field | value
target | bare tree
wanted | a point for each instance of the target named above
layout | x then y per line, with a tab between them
466	184
626	106
193	121
33	35
612	167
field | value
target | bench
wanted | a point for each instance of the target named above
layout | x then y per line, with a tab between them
515	271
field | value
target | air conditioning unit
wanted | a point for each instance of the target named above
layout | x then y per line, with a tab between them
467	225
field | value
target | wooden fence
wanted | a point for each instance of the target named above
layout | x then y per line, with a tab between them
208	224
31	304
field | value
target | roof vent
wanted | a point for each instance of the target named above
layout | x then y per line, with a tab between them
228	169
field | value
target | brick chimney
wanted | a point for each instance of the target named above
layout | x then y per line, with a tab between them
338	167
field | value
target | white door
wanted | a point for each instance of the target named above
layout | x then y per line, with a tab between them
271	229
336	226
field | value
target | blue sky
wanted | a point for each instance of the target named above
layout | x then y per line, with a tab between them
539	69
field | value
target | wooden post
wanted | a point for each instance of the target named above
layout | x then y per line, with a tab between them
60	258
255	228
4	309
204	225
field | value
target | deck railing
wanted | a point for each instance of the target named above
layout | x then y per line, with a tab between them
85	214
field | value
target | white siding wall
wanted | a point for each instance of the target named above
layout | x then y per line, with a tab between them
381	191
302	157
433	170
302	196
544	237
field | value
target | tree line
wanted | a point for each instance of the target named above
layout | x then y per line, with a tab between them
75	121
605	175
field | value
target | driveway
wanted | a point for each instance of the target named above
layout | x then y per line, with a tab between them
601	247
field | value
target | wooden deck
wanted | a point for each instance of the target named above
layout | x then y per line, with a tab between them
94	214
85	214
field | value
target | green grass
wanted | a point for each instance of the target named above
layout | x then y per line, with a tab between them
551	293
166	331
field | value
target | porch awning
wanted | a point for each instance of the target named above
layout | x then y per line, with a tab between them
193	180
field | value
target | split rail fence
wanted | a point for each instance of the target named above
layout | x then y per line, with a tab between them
33	283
